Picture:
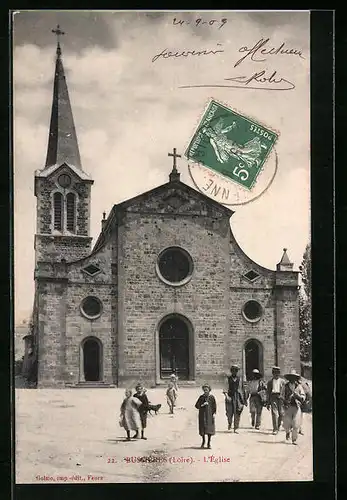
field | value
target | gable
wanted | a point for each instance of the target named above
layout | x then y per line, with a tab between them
175	198
65	167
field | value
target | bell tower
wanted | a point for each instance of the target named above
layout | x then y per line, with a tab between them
62	188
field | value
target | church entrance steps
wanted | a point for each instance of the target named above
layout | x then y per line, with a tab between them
181	383
90	385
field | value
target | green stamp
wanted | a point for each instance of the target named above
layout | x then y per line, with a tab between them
231	144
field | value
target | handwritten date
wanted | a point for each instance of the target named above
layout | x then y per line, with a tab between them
200	22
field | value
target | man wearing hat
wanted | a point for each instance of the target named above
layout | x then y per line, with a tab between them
294	396
275	398
235	398
257	397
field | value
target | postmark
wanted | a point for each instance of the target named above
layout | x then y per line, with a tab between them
228	152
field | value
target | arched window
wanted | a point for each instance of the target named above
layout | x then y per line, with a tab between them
70	211
253	357
58	211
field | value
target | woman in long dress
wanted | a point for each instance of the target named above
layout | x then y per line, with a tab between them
129	414
206	404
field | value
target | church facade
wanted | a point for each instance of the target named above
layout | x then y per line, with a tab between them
165	287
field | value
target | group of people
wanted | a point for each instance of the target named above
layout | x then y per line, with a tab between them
287	398
135	407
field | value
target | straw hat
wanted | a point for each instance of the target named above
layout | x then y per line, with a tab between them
256	372
276	369
293	374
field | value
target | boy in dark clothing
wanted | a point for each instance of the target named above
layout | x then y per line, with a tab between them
143	409
206	404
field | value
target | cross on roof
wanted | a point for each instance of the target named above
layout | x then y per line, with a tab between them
58	32
174	155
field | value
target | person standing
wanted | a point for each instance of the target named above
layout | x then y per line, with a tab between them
174	380
171	395
257	398
235	398
207	406
294	396
129	414
275	398
140	394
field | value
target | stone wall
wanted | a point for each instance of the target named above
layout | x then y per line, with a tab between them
64	245
288	330
135	299
51	333
144	299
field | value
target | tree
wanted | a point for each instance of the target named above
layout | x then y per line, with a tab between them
305	306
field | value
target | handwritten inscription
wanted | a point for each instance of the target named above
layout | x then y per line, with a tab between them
200	22
166	54
261	47
259	80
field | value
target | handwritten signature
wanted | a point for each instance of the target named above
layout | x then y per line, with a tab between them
258	81
260	47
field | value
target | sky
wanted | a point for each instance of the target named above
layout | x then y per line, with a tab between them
130	112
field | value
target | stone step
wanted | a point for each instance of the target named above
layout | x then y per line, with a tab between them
91	385
181	383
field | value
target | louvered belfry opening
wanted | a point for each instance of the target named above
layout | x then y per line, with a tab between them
70	212
58	211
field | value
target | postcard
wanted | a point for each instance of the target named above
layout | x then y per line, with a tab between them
162	246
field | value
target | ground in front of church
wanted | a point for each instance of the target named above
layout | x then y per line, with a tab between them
73	436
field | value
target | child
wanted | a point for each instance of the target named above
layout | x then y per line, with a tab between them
140	394
129	414
171	395
206	404
174	380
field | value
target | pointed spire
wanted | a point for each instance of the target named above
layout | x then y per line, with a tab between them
284	264
62	141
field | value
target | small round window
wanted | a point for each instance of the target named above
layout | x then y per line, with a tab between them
64	180
91	307
175	266
252	311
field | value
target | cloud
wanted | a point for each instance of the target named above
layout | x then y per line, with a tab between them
129	113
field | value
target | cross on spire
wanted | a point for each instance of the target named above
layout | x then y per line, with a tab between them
174	176
174	155
58	32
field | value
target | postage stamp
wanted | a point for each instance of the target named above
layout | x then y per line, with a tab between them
231	144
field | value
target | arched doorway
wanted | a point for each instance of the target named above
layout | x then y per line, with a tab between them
92	356
253	357
174	348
